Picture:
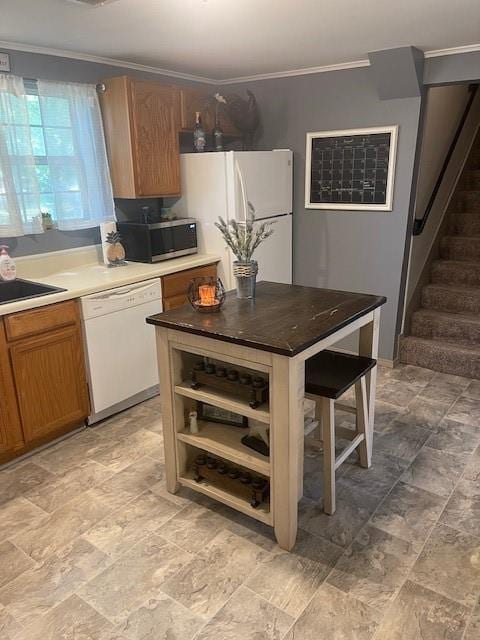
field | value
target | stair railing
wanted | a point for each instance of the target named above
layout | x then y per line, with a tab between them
419	223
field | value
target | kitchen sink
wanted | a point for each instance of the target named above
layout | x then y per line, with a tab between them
23	289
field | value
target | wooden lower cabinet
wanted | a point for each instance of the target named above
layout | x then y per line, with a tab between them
50	380
175	285
42	378
11	434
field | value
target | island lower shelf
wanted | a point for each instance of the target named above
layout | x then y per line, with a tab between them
220	440
225	441
224	401
215	491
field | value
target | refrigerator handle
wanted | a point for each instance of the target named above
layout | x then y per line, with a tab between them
242	189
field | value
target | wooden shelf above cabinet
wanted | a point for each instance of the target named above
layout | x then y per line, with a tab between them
192	100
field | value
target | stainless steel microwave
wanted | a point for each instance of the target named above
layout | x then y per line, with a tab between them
156	241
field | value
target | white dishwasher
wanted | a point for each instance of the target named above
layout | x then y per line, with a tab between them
120	346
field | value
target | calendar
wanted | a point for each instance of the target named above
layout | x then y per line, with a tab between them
351	170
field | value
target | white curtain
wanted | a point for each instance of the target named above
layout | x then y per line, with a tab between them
52	157
76	154
19	193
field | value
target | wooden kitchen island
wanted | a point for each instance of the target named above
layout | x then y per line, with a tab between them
271	336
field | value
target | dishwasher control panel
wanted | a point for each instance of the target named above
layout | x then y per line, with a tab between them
112	300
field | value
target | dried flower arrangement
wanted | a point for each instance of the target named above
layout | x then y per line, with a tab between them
244	237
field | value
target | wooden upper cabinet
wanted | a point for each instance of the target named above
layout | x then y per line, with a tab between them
141	122
193	100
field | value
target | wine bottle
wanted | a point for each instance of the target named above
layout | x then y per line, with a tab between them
199	138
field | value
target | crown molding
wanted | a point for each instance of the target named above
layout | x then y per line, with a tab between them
452	51
297	72
342	66
434	53
113	62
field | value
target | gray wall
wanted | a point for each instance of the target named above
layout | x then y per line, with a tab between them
444	107
450	69
356	251
37	66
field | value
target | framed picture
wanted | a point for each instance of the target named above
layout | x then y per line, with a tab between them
351	170
210	413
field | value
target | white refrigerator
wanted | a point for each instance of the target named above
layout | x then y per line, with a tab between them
221	184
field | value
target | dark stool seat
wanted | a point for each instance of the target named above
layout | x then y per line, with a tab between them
330	374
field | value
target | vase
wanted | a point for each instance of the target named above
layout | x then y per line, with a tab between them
218	137
246	276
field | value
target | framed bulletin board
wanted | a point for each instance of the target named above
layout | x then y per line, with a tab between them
351	170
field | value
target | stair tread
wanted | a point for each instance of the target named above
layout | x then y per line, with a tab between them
445	345
464	212
455	236
461	263
453	287
448	315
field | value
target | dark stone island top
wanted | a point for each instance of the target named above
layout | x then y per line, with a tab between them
283	318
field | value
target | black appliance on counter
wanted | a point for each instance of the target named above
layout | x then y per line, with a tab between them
150	241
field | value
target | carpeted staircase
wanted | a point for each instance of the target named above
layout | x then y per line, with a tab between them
445	332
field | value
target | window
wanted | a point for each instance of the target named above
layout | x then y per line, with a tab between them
52	157
57	173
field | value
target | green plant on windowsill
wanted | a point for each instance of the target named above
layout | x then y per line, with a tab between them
47	220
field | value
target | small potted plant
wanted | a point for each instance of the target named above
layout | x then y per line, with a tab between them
47	221
243	238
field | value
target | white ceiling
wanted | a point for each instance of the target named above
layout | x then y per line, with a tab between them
223	39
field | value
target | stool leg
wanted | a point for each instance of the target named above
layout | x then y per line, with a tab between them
328	428
318	433
363	423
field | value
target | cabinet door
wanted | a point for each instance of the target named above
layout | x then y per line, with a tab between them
11	436
191	101
49	374
175	301
155	139
175	285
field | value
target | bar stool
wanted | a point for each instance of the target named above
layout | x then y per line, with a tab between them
328	375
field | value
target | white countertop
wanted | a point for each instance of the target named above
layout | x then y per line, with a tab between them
83	278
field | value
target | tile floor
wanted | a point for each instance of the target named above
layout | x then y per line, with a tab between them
93	547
